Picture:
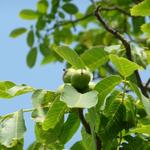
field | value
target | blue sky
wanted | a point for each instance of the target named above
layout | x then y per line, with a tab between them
13	64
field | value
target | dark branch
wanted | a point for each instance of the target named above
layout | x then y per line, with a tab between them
63	23
147	83
83	121
70	22
124	42
88	129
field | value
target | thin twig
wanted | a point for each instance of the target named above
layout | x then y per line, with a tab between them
124	42
63	23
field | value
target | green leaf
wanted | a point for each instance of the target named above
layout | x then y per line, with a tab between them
141	9
54	114
42	6
49	136
115	123
30	38
40	101
70	8
12	129
143	129
78	146
69	128
31	57
17	32
70	56
106	85
94	57
145	101
74	99
146	28
135	143
28	14
123	65
9	89
87	140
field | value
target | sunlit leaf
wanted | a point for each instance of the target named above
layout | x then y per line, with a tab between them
143	129
17	32
123	65
70	56
54	114
28	14
94	57
42	6
74	99
12	129
106	85
9	89
146	28
141	9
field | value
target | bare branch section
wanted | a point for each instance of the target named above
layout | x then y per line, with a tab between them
113	8
124	42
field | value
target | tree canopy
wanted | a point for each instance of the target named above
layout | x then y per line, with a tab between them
103	48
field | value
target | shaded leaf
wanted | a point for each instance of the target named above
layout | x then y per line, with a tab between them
69	128
31	57
78	146
145	101
30	38
70	8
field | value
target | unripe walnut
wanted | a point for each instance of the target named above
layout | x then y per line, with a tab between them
81	78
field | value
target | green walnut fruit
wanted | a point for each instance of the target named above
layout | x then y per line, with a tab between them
68	75
148	43
81	78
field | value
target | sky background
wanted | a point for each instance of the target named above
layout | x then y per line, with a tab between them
13	63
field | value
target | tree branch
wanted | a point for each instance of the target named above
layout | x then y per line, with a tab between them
88	129
63	23
124	42
83	121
